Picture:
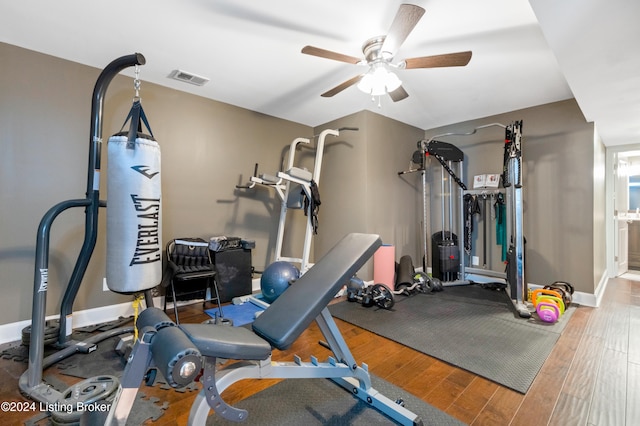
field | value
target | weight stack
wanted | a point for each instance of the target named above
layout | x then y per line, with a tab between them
445	256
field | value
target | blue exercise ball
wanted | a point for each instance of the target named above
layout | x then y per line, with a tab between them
276	278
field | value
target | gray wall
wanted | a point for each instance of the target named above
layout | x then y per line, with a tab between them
207	148
563	200
361	190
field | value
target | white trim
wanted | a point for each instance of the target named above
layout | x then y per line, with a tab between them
586	299
610	219
631	274
13	332
600	289
255	285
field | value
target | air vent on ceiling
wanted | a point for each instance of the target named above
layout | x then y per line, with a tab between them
188	77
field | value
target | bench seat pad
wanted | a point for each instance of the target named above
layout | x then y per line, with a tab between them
223	341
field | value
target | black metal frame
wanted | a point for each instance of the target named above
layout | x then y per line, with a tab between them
31	381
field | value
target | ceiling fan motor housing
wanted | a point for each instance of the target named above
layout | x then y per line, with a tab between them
372	50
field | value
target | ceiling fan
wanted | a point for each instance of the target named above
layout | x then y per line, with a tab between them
379	53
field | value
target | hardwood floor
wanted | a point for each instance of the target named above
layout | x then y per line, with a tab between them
591	377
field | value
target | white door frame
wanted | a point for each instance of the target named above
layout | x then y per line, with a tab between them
611	225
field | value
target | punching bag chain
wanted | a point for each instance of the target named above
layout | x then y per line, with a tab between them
136	83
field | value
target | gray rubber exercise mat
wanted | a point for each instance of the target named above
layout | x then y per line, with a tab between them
296	402
471	327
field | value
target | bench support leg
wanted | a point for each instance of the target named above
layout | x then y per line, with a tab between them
334	339
357	384
134	372
341	368
380	402
214	400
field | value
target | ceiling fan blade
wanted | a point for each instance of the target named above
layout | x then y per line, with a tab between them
340	87
406	19
458	59
328	54
398	94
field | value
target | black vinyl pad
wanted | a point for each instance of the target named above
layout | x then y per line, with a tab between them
294	310
224	341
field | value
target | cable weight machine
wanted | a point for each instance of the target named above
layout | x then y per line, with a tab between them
512	192
512	180
457	270
445	246
445	251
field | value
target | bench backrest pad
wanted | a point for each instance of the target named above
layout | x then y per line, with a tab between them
294	310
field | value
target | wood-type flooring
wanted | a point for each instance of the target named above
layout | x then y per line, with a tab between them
592	376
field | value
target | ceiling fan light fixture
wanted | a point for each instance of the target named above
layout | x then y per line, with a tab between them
379	53
379	81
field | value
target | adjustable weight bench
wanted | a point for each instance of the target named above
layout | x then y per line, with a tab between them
182	352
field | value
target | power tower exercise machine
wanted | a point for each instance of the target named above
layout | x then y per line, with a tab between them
294	185
297	189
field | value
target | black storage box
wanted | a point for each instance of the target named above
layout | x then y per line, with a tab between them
233	267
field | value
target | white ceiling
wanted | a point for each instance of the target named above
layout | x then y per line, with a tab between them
251	52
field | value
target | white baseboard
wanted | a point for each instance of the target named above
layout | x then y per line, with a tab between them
586	299
13	332
581	298
600	289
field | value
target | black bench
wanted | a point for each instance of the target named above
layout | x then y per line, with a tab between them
293	311
277	327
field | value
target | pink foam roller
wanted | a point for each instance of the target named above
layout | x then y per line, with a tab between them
384	266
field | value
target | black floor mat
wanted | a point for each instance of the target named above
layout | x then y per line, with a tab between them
322	402
468	326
